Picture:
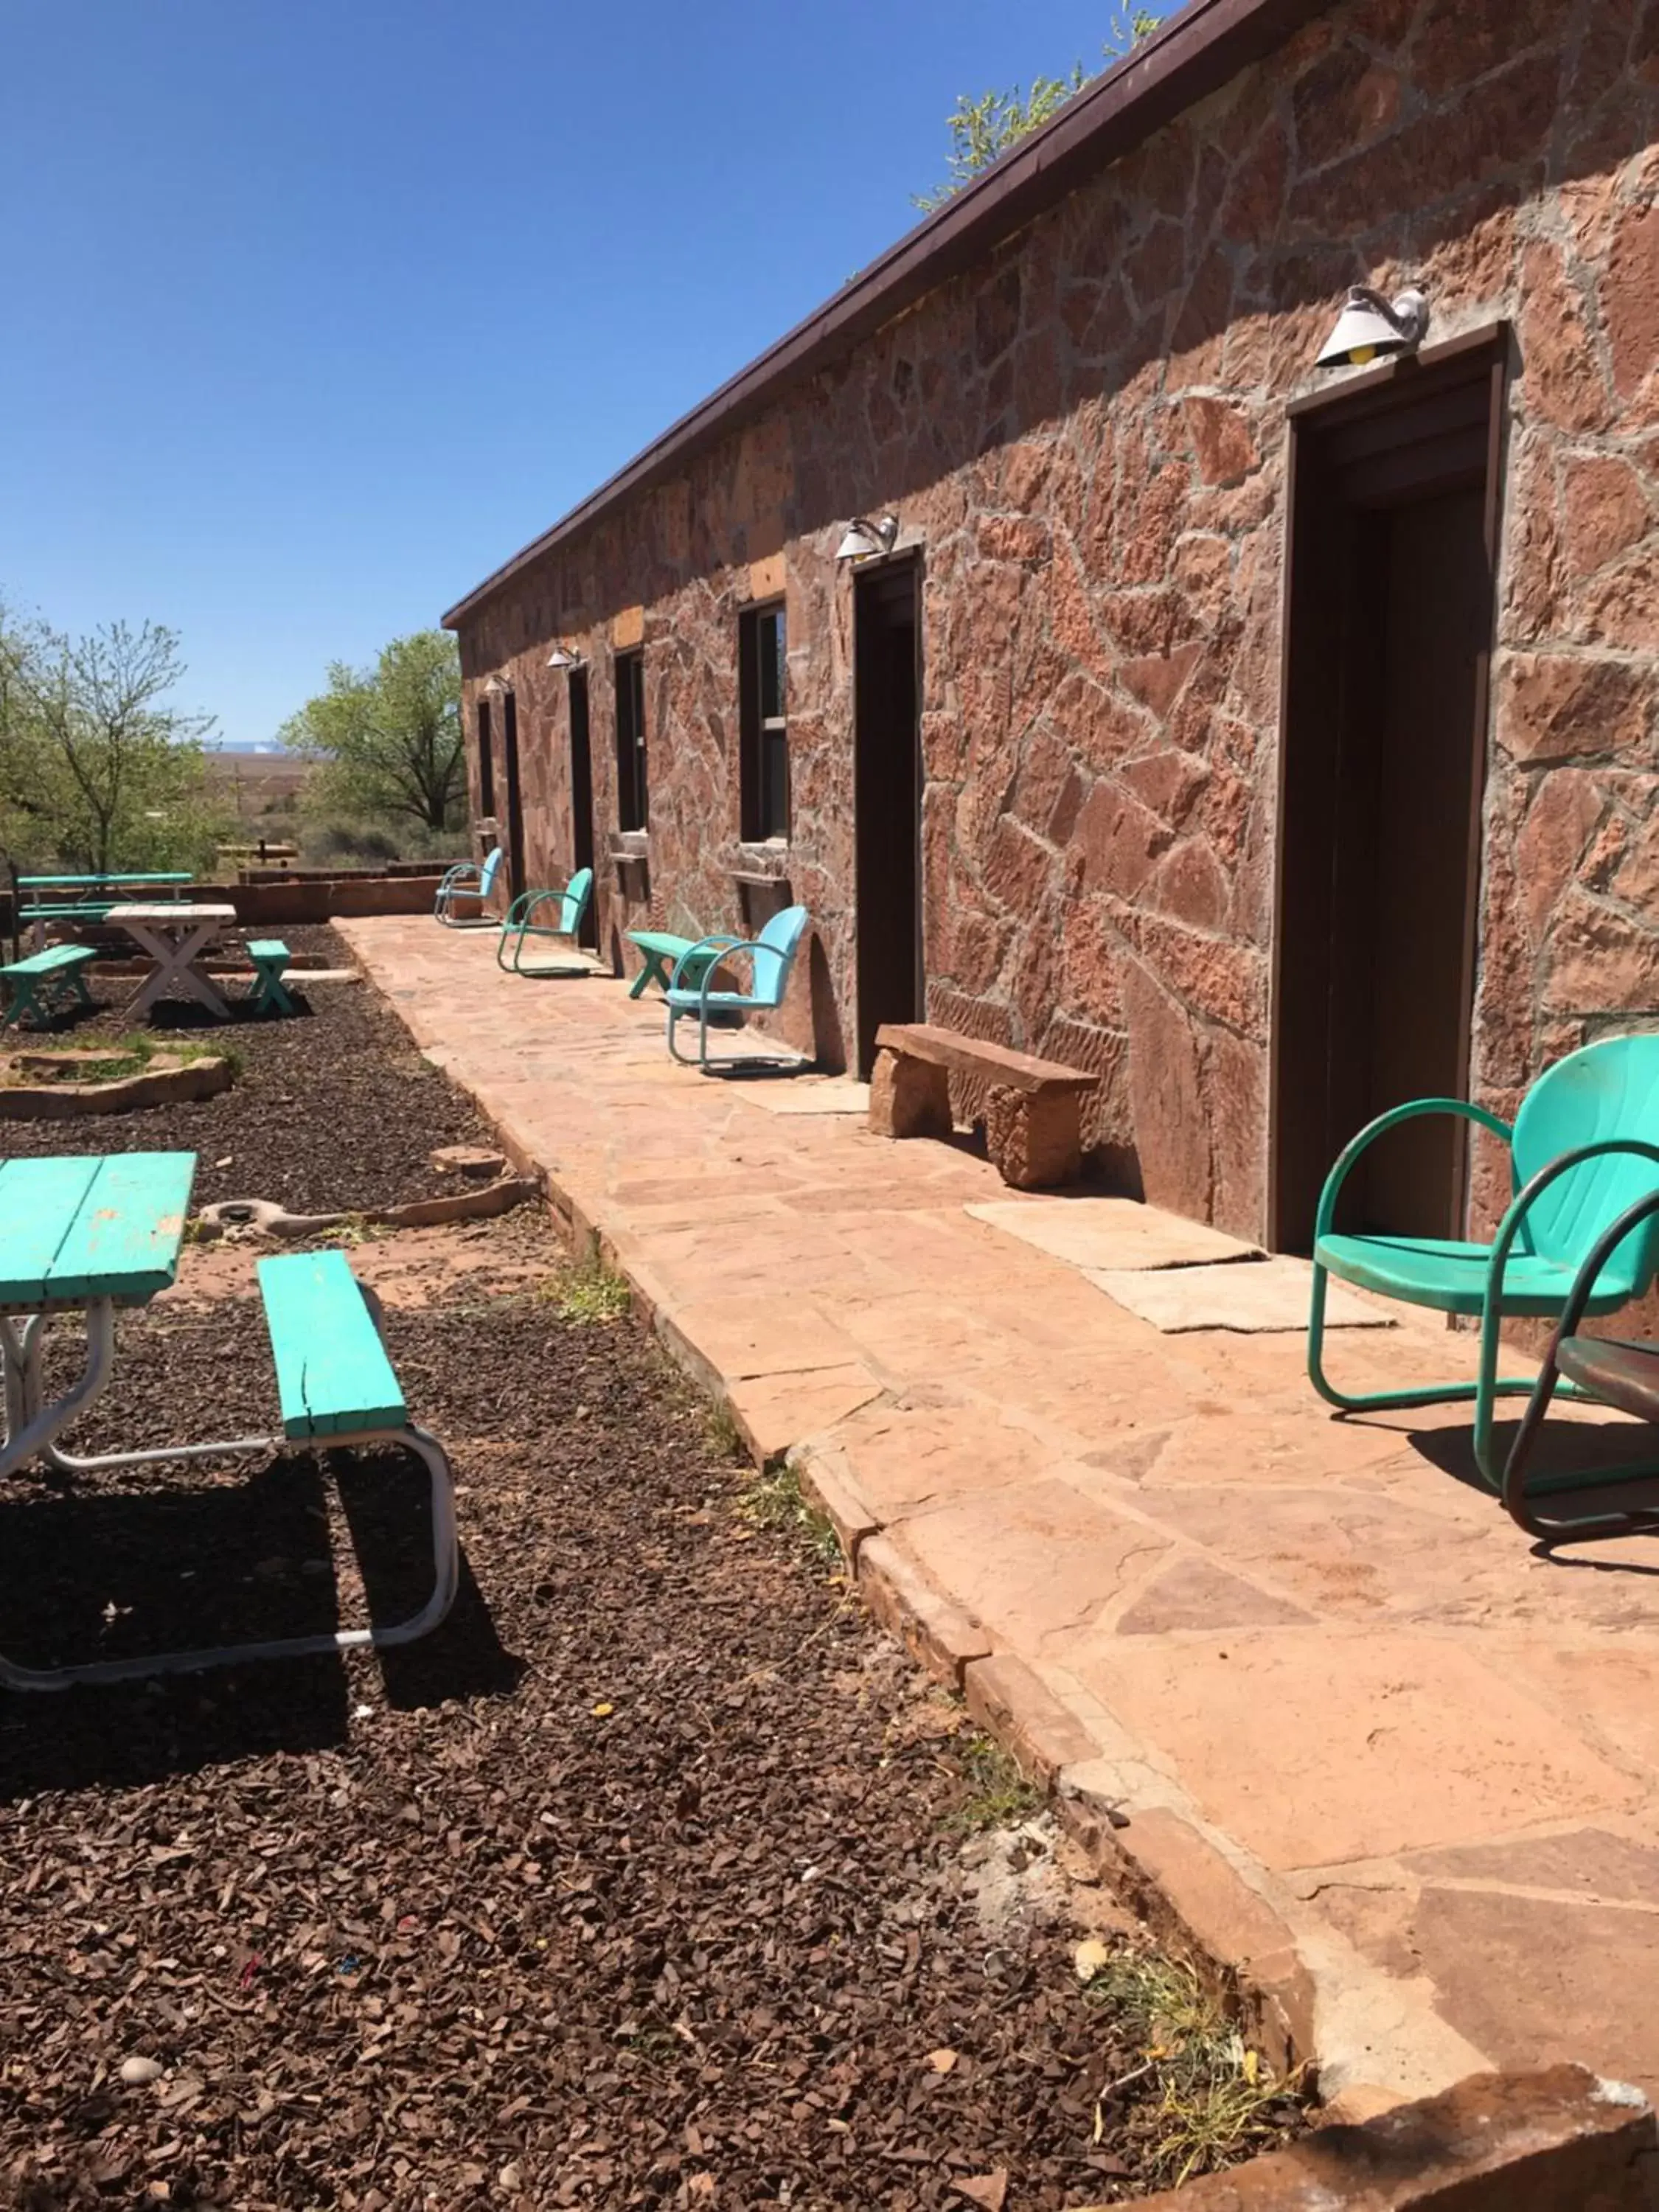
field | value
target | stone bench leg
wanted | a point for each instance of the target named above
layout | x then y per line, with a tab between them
1033	1137
908	1097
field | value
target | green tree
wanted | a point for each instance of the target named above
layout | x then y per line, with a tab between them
982	129
96	771
388	737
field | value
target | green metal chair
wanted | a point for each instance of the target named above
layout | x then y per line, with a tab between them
771	955
1580	1153
571	903
468	880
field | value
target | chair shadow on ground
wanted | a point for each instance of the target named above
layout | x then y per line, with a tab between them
95	1571
1565	1447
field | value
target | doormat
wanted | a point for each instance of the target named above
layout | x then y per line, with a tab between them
1255	1297
835	1096
1091	1231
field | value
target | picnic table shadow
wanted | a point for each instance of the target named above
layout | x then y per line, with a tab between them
98	1570
191	1014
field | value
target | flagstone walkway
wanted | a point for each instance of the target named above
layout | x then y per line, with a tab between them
1317	1691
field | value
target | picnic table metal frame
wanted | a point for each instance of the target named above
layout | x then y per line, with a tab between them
33	1424
175	940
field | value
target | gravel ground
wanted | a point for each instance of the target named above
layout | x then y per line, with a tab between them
346	1054
650	1879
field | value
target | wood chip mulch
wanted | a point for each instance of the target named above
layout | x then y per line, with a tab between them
334	1109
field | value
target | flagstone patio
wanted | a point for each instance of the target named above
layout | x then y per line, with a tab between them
1315	1688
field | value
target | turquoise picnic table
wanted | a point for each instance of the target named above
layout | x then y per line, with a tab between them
85	898
663	952
84	1237
88	1237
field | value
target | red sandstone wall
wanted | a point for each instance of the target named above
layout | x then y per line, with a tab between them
1087	438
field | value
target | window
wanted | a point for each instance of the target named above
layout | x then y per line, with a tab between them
486	763
764	730
631	795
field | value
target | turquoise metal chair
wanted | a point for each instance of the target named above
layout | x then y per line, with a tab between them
571	904
468	880
772	955
1581	1152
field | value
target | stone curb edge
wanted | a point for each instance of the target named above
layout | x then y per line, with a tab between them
1153	1860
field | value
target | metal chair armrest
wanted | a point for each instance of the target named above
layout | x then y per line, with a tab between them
1417	1107
531	900
716	940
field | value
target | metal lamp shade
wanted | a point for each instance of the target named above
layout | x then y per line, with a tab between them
1370	327
867	541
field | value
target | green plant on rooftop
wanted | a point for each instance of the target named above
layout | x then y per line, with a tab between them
387	739
982	129
97	771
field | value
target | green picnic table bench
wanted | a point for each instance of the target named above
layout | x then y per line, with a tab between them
71	882
68	910
269	994
47	980
663	952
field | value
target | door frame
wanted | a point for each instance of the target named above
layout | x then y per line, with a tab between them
910	558
1484	354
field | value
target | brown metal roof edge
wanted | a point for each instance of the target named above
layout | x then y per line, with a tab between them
1188	57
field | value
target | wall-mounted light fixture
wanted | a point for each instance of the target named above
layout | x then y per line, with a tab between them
565	656
494	689
868	541
1370	325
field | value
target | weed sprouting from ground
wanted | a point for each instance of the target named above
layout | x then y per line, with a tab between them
775	1500
725	1437
1216	2101
998	1797
587	1293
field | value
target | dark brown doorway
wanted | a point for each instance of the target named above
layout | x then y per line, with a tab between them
887	800
1389	632
581	799
515	800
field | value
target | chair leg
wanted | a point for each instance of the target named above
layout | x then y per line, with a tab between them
674	1050
1489	1386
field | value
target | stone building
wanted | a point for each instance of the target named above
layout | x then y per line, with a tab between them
1278	743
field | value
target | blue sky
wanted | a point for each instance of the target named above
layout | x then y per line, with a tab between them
315	310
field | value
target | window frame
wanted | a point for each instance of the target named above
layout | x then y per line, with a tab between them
765	801
633	779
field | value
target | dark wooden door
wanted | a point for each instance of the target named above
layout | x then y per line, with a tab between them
581	797
887	801
1389	627
514	798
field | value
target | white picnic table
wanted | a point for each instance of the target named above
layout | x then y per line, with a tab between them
174	934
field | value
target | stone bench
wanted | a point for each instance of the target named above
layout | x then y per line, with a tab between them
1031	1117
